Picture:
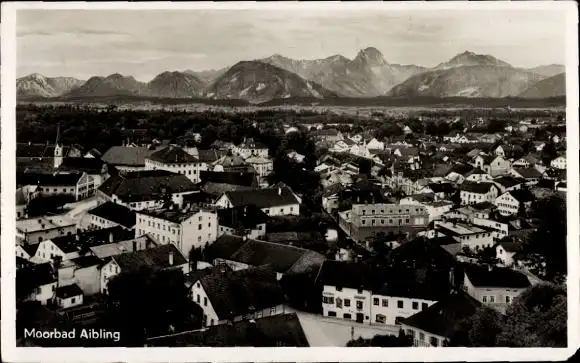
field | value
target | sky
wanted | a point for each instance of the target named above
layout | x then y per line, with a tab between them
144	43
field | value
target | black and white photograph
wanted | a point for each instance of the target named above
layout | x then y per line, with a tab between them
289	176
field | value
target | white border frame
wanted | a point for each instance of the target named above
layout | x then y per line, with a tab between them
13	354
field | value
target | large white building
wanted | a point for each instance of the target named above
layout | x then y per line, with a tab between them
251	148
176	160
183	228
275	201
477	192
559	163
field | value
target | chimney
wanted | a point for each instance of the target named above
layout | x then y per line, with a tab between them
111	237
171	258
134	245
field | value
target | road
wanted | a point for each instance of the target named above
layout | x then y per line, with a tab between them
78	209
328	332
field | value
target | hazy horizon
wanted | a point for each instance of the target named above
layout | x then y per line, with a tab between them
86	43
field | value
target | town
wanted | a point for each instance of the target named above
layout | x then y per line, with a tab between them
297	226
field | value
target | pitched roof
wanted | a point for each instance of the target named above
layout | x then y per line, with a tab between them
105	250
481	276
235	293
226	245
146	185
247	216
272	331
229	177
172	155
510	246
156	258
262	198
38	274
476	187
50	179
442	317
446	188
528	173
351	275
209	156
522	195
126	156
80	164
218	189
508	181
86	261
64	292
115	213
279	257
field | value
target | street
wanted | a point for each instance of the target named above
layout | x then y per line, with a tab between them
328	332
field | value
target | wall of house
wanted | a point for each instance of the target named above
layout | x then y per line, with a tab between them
254	233
20	211
108	271
270	311
70	302
494	297
88	279
476	240
44	293
506	258
507	205
558	163
99	223
198	230
502	229
199	296
283	210
58	189
45	234
47	251
422	338
346	303
386	309
191	170
21	253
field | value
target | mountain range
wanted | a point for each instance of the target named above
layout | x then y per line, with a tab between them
367	75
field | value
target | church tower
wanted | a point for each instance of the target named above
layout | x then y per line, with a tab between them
58	150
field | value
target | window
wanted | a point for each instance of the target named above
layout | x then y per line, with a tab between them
360	291
347	302
211	322
205	301
359	305
363	221
339	303
411	333
273	310
380	318
508	299
209	224
400	304
338	288
385	303
415	305
424	306
347	316
398	320
484	298
492	299
199	226
72	301
198	238
376	301
200	217
332	313
421	336
198	299
434	341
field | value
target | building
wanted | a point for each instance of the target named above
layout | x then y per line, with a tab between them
506	251
40	281
241	253
163	257
492	164
356	292
531	175
109	215
84	272
515	201
495	287
95	168
367	220
76	185
434	326
232	296
477	192
559	163
247	221
275	201
249	147
127	158
328	135
469	212
105	250
263	165
146	189
186	229
435	209
68	296
176	160
36	230
468	235
280	330
63	247
508	183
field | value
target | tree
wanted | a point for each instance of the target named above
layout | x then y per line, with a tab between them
536	318
401	340
145	303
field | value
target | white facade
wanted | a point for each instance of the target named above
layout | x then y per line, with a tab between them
495	297
108	271
263	166
507	204
253	233
278	210
195	231
506	258
190	170
346	303
422	338
391	309
199	296
468	197
47	251
36	230
44	294
69	302
176	198
558	163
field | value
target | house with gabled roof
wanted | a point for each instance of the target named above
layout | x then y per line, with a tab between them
249	221
531	175
272	201
434	326
492	164
111	214
164	257
36	282
176	160
511	202
233	296
249	147
477	192
508	183
506	250
495	287
127	158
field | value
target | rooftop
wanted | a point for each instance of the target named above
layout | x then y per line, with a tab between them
476	187
459	229
117	248
482	276
156	258
262	198
172	155
64	292
175	215
44	223
115	213
245	216
126	156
